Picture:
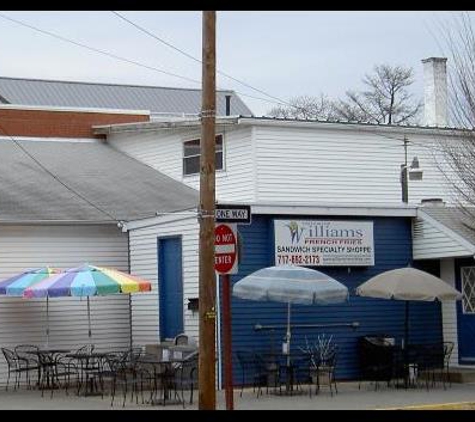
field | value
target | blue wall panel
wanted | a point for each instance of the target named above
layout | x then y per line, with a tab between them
392	241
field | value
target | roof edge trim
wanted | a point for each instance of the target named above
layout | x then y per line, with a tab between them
337	210
58	222
73	109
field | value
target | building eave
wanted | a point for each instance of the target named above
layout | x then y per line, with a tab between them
470	247
348	210
59	109
335	210
12	222
353	126
178	123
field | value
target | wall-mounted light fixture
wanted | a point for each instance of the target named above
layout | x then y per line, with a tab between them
412	172
415	172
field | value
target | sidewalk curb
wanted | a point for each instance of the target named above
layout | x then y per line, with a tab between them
434	406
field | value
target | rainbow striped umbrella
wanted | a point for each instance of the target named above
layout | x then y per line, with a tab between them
87	280
16	286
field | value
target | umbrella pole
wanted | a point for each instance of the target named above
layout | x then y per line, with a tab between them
287	336
47	320
406	344
406	324
88	318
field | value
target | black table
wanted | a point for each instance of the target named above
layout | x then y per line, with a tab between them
47	360
279	366
90	366
409	361
163	372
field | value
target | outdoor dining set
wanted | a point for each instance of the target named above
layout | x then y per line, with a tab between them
155	378
307	370
311	369
382	360
164	377
399	364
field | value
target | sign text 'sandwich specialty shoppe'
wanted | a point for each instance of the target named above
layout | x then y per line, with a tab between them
324	242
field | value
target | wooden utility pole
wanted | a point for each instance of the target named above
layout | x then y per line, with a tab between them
207	288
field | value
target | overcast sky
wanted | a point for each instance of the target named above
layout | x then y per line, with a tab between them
283	53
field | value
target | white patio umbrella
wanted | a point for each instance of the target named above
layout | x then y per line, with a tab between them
292	285
408	284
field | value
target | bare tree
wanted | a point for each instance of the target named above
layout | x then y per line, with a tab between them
306	108
386	99
460	41
458	155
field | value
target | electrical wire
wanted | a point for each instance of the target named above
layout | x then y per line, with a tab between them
409	141
134	62
140	28
120	58
96	50
69	188
55	177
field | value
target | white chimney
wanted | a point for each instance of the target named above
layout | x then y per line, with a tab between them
435	91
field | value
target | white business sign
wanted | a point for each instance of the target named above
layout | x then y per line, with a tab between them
324	242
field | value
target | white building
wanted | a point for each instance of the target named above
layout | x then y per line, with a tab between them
62	204
284	169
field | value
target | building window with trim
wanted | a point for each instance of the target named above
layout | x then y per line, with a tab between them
191	155
468	290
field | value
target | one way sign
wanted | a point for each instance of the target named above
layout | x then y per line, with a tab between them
240	214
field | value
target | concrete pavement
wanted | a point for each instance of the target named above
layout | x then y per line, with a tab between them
349	397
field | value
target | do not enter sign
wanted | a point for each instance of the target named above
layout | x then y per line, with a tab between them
225	249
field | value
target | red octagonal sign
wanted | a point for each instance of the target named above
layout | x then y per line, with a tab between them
225	249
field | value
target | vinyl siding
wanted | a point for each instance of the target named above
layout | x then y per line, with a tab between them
283	164
430	242
341	166
144	263
392	240
164	152
24	321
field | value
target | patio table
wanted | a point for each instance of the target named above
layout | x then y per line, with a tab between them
410	360
47	359
163	371
90	366
283	366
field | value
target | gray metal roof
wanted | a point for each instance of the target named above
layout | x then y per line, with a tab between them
38	92
459	221
118	186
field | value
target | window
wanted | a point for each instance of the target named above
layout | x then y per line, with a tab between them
468	290
191	155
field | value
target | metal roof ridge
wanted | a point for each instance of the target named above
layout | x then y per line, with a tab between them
108	84
353	122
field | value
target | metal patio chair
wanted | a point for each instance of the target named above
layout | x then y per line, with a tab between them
16	365
30	353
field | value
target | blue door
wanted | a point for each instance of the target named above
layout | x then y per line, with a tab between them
170	282
466	315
